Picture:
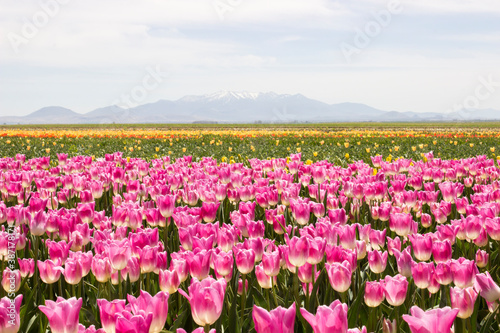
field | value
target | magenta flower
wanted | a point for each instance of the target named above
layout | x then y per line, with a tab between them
9	314
62	314
279	320
206	298
488	289
157	306
107	311
331	318
374	293
395	289
463	299
432	321
128	323
340	275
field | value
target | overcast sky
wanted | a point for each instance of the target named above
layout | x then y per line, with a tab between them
420	55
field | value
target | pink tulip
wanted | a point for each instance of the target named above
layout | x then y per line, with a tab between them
206	299
169	281
199	264
395	289
245	260
271	263
463	299
331	318
433	321
404	261
401	223
101	268
482	258
10	320
488	289
265	281
73	271
62	314
128	323
441	251
422	246
422	273
11	280
107	311
119	254
50	272
377	261
464	272
166	204
26	267
340	275
298	250
279	320
156	305
374	293
209	211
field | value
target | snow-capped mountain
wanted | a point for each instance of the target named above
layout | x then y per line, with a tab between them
240	107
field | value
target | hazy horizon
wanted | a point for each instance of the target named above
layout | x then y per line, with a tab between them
391	55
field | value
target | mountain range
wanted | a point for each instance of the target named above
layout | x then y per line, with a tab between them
241	107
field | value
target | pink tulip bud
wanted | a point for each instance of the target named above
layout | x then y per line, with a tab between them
11	280
107	311
340	275
441	251
62	314
265	281
437	320
10	320
374	293
73	271
463	299
277	320
169	281
443	273
271	263
101	268
166	204
206	299
50	272
26	267
119	254
389	326
298	250
332	318
488	289
464	272
395	289
377	261
126	322
245	260
422	273
156	305
482	258
422	246
209	211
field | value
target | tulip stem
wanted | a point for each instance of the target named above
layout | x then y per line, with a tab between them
35	258
119	284
243	296
59	282
207	328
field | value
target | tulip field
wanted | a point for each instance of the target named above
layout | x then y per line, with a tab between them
242	229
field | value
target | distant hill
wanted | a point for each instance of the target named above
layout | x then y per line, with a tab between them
240	107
